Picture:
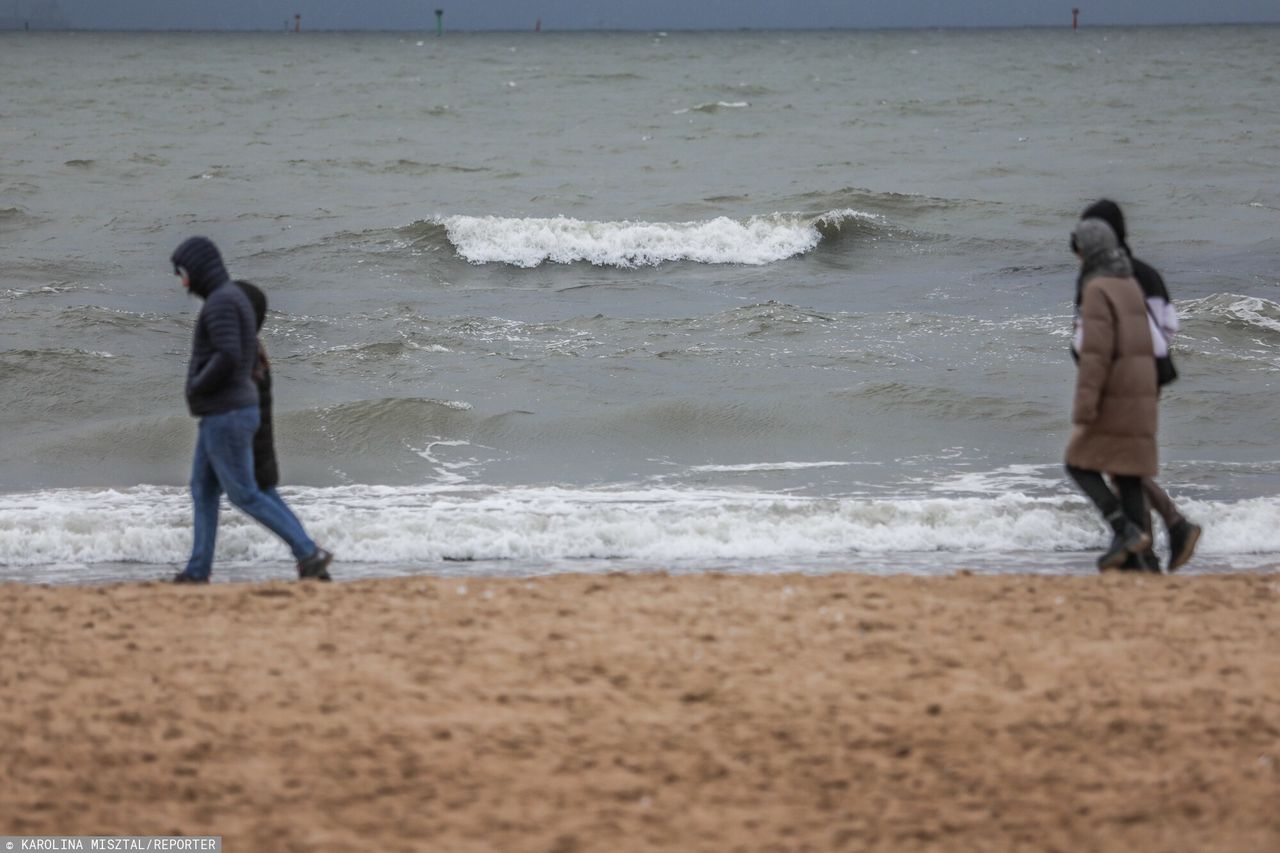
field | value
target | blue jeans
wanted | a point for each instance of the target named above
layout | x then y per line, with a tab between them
224	463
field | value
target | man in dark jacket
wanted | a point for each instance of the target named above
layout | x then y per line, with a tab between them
221	393
1183	535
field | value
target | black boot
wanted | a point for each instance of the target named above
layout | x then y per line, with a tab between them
1147	561
1183	537
1129	539
315	567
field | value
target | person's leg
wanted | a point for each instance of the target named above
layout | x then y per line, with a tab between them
273	496
1183	535
1161	502
1095	489
315	566
1147	560
1129	537
1133	504
205	496
1132	500
230	449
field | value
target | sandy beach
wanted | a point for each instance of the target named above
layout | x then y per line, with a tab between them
650	712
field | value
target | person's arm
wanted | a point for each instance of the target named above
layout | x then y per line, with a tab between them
222	322
1166	317
1158	301
1097	351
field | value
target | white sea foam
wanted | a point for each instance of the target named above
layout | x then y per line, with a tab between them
758	467
713	107
448	472
1249	310
424	525
529	242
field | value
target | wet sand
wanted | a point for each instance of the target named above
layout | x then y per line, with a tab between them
650	712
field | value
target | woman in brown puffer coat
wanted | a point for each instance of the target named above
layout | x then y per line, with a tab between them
1114	411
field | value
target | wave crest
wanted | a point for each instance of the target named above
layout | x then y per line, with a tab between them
1251	313
530	242
422	526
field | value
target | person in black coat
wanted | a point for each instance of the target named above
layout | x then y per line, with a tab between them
266	471
265	468
1183	535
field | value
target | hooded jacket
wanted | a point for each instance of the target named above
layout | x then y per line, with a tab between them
1163	314
224	347
1114	408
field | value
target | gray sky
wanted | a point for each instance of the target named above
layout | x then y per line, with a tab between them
647	14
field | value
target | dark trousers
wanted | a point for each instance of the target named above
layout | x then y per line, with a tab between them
1129	502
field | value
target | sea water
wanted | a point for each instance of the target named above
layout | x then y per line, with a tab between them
752	301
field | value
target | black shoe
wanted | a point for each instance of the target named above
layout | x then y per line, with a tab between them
1132	540
1147	561
315	567
1183	537
183	577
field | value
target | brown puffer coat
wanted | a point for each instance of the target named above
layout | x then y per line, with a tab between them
1115	400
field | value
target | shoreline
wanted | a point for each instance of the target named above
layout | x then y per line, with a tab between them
922	564
650	711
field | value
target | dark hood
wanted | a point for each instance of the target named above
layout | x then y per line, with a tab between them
203	263
1109	212
257	299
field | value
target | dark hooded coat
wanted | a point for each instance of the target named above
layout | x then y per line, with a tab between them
224	347
265	468
1163	314
1148	277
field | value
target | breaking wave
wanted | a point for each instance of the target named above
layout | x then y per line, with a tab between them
1250	313
529	242
425	525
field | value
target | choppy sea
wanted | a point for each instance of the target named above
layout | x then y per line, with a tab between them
749	301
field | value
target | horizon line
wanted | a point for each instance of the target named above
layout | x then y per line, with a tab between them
630	30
